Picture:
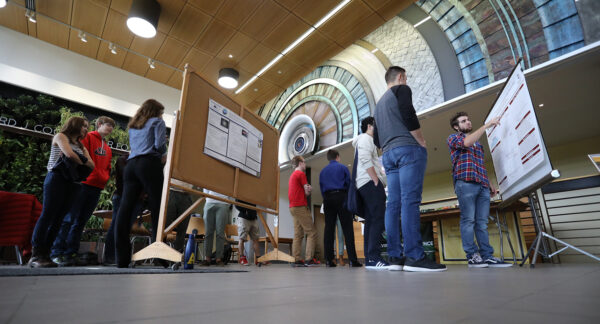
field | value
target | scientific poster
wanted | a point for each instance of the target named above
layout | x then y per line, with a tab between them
233	140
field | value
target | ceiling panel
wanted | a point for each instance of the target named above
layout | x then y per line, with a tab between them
148	46
104	3
57	9
176	80
135	64
52	32
104	55
268	15
236	12
216	35
351	15
359	30
269	94
257	88
257	58
285	33
89	48
13	17
254	106
170	10
309	49
116	29
377	4
208	6
160	73
288	4
284	72
189	25
172	52
393	7
122	6
238	47
197	59
311	11
89	16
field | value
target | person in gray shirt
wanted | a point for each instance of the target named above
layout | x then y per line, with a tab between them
404	159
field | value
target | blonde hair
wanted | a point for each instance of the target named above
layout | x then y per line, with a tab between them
149	109
296	161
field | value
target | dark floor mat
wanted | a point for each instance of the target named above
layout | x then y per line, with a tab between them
24	271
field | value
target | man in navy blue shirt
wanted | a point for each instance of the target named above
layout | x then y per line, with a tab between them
334	181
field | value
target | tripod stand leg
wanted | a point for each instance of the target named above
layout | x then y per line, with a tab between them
533	244
512	249
537	249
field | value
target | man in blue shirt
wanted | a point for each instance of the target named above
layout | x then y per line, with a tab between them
334	181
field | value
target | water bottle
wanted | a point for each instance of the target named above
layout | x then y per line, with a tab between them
190	250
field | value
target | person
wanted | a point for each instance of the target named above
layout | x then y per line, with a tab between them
59	192
109	239
66	245
247	224
216	216
179	202
370	182
472	188
143	172
334	181
298	189
404	159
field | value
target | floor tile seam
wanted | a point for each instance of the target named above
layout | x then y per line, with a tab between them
17	309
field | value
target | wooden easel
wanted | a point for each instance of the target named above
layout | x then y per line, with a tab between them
262	191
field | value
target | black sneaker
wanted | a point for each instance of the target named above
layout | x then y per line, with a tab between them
313	263
494	262
396	264
475	261
299	263
64	260
423	265
376	265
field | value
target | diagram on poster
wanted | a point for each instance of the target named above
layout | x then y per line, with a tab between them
516	145
231	139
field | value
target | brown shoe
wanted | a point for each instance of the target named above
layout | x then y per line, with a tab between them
40	259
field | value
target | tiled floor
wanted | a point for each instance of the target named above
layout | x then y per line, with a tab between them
280	294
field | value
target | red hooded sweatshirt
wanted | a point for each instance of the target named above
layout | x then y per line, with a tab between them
101	155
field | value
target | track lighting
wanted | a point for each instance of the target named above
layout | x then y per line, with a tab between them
112	48
82	37
31	15
143	17
151	63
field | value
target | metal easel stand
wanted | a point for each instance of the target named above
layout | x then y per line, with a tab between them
503	227
539	240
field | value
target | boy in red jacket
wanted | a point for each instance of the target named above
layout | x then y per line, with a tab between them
66	245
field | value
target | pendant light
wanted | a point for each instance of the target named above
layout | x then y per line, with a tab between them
143	17
228	78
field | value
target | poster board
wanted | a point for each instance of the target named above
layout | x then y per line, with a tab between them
192	165
517	147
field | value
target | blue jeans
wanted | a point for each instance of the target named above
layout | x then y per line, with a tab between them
405	170
68	238
474	203
58	197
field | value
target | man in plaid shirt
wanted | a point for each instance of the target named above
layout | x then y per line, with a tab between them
472	188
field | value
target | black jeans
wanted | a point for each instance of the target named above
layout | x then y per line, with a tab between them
141	173
374	200
334	208
109	240
179	202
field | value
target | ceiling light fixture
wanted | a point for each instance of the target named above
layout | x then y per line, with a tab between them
112	48
230	56
228	78
375	50
295	43
143	17
422	21
2	3
541	105
151	63
82	36
31	15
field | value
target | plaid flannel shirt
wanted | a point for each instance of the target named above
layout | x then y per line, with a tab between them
467	162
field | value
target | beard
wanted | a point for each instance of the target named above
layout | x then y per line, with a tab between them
465	129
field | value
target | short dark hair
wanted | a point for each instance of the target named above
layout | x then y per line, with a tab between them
105	120
454	120
296	160
332	155
392	73
364	124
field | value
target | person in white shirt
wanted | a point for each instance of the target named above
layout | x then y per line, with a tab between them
216	216
370	182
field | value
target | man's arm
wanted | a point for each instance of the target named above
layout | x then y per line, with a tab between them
474	136
418	135
408	113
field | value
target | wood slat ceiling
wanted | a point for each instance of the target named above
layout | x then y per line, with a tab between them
209	35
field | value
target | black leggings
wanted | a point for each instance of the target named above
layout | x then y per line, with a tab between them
141	173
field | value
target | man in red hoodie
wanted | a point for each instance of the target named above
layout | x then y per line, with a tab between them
66	245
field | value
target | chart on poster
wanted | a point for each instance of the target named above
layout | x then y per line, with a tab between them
231	139
516	145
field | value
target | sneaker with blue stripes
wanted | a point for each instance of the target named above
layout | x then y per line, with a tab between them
494	262
376	265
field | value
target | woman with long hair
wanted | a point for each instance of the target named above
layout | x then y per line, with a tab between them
143	172
58	190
